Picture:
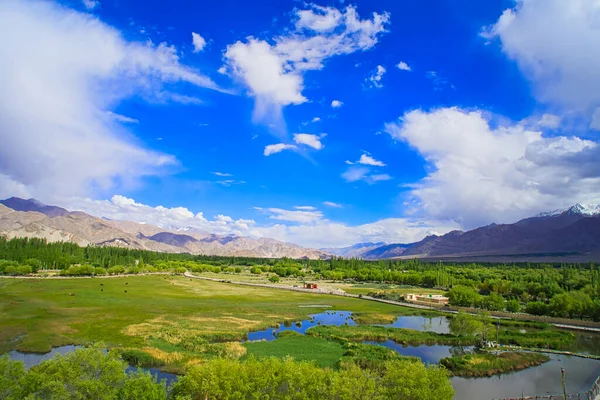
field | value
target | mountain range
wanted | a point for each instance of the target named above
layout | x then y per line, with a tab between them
30	218
571	234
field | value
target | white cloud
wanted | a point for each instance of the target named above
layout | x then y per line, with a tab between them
332	204
90	4
376	77
307	228
379	177
549	121
229	182
61	71
121	118
349	162
276	148
555	44
223	174
403	66
182	99
223	219
319	19
273	71
300	216
336	104
366	159
497	174
198	41
324	233
307	139
354	174
316	119
305	208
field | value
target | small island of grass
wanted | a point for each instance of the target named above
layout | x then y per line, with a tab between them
488	364
373	318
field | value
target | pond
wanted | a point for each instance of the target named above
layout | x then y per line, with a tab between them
336	318
418	323
580	374
428	354
33	359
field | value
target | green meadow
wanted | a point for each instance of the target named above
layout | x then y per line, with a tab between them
174	319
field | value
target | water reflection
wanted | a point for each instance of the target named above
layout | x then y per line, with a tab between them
427	354
33	359
580	374
336	318
432	324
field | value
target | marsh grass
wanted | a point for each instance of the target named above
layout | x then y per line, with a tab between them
158	312
487	364
324	353
381	334
364	319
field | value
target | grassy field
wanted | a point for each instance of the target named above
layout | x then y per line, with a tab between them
171	318
352	288
324	353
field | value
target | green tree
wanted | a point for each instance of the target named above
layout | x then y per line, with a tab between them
562	305
274	378
513	305
463	324
493	302
256	270
89	374
463	296
12	374
274	278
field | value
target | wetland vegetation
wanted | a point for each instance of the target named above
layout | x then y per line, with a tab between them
488	364
199	327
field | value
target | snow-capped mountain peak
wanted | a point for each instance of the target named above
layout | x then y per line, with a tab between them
587	210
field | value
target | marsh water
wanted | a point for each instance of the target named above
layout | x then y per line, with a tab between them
541	380
33	359
336	318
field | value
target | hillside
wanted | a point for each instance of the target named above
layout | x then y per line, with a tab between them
34	219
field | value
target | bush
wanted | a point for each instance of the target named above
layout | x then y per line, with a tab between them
256	270
12	374
78	270
513	305
138	358
274	278
116	270
536	308
83	374
274	378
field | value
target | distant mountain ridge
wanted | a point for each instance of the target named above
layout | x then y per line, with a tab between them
570	231
354	251
19	204
31	218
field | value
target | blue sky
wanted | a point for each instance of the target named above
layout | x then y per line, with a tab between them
492	115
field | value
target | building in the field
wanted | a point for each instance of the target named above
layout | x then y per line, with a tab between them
310	286
427	298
